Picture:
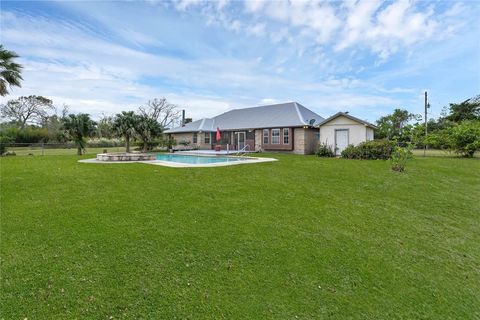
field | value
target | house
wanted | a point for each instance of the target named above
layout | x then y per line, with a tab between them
342	129
286	127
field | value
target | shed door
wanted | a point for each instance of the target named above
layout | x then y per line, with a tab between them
341	141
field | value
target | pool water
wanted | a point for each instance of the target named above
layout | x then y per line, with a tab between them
196	159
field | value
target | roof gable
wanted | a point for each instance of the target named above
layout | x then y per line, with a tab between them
346	115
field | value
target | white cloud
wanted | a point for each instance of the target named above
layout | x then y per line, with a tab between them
383	28
254	5
269	101
183	5
257	29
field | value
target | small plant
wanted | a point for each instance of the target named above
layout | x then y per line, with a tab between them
324	150
168	142
400	156
184	143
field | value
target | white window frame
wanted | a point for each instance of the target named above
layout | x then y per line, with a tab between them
195	137
209	136
287	131
265	131
276	130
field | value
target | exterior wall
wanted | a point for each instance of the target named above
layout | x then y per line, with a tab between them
258	140
179	137
357	132
280	146
188	136
370	135
300	141
201	140
304	140
311	140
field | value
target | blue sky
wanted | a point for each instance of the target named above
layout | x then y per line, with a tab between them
366	57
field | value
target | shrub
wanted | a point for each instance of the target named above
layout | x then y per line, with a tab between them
184	143
463	138
466	138
350	152
4	141
400	156
324	150
370	150
104	143
167	142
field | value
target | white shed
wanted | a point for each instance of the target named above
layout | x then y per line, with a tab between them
342	129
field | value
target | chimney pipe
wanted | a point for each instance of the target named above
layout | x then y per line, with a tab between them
183	118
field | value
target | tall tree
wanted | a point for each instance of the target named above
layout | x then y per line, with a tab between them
466	110
124	125
394	125
24	110
10	72
105	127
53	123
78	127
147	129
162	111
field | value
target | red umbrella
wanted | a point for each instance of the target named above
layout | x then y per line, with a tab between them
219	136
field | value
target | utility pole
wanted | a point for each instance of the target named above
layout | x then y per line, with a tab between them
427	105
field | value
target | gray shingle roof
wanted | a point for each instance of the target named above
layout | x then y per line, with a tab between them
290	114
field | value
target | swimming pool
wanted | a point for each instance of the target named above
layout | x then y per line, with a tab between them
188	161
194	159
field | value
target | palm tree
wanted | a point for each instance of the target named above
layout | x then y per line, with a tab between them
147	129
78	127
10	72
124	124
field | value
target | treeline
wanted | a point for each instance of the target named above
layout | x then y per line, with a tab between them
35	119
456	130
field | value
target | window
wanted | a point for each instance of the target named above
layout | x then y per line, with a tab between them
275	136
194	137
286	132
207	137
265	136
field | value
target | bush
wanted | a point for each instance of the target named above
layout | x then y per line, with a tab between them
350	152
370	150
4	141
29	134
466	138
400	156
462	138
104	143
324	150
167	142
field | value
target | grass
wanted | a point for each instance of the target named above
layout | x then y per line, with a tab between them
38	151
303	237
439	153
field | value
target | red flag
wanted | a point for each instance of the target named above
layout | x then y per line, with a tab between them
219	136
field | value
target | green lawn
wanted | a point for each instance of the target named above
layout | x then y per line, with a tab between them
49	151
303	237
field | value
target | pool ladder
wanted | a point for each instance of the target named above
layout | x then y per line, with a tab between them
243	151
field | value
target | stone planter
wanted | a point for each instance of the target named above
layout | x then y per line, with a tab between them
125	157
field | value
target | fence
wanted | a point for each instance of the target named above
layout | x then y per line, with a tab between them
44	149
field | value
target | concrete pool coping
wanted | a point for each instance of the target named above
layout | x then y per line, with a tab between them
171	164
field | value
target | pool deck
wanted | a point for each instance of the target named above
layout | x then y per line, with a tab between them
172	164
